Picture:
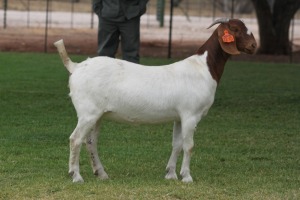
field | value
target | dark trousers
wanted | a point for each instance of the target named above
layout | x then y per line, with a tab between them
110	33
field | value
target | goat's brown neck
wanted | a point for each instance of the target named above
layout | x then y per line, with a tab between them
216	57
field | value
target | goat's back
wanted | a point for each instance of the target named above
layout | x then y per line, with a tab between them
142	94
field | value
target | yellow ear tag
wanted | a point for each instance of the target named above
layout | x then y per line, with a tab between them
227	37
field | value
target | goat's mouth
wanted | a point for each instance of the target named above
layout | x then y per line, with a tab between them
249	50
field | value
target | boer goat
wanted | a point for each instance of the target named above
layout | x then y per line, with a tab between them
181	92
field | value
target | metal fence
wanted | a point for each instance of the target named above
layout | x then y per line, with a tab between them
78	14
39	13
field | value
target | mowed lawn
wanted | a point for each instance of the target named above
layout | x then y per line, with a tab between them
248	146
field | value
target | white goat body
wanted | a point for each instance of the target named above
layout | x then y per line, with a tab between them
181	92
133	93
103	87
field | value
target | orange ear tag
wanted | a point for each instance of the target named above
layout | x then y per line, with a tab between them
227	37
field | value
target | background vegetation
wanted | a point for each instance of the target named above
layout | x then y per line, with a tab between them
246	148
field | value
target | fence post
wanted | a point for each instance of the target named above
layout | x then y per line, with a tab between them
28	13
232	9
170	29
72	13
160	12
4	17
292	38
46	27
214	10
92	16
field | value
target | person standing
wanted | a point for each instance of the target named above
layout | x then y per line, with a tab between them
119	19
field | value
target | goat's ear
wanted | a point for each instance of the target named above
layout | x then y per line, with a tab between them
227	40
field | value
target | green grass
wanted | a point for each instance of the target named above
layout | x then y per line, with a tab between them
248	147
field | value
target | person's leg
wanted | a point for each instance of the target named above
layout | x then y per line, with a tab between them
108	38
130	39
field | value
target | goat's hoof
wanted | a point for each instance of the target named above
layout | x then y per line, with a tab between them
76	177
78	180
171	176
187	179
101	174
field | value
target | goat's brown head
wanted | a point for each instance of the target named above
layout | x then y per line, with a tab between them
234	37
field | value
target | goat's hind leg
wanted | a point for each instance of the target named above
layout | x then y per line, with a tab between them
83	128
177	142
91	145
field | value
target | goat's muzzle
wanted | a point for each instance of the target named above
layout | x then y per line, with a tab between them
250	49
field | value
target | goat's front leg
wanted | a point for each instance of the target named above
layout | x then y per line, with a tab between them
177	147
91	145
188	129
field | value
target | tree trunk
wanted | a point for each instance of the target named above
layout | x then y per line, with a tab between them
274	25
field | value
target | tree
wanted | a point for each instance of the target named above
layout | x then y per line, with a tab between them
274	18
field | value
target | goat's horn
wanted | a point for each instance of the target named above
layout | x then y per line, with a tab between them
223	20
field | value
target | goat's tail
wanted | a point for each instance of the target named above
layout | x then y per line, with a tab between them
64	56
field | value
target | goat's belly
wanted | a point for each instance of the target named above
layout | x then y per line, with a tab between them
142	117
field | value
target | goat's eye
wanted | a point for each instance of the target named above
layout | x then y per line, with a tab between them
234	29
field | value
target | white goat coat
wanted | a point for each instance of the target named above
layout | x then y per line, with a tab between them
181	92
135	93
